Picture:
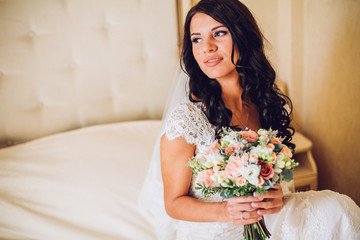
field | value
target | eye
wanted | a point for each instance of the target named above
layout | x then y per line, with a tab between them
220	33
196	40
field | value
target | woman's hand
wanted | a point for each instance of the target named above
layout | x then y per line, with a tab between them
272	201
247	210
239	210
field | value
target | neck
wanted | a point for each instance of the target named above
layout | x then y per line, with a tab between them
231	93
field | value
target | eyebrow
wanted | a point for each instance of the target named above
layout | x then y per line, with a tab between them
214	28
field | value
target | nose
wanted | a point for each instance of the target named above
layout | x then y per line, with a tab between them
209	46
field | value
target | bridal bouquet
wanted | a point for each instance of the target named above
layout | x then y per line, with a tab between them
241	163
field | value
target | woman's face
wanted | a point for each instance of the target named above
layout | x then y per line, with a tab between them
212	47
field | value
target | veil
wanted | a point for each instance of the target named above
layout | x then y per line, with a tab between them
151	199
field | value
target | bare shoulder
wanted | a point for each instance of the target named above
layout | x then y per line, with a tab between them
176	148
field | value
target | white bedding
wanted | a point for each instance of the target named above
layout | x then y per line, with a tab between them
82	184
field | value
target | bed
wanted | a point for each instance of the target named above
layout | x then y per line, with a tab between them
82	90
80	184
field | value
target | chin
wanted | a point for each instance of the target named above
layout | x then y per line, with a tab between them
213	74
218	73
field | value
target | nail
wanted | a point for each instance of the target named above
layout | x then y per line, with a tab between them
258	212
254	204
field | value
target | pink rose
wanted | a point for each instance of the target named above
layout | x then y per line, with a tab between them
205	177
286	151
250	136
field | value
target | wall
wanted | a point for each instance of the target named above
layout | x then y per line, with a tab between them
314	48
330	111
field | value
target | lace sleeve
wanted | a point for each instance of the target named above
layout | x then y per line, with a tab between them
178	124
188	121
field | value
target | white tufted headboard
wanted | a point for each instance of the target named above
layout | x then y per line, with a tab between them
66	64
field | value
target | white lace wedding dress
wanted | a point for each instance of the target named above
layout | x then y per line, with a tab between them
307	215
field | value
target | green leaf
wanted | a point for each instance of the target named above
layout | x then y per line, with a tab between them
277	147
287	175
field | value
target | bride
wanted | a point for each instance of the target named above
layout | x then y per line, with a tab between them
231	84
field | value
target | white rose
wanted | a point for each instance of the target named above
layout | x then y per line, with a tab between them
262	131
280	163
281	157
228	138
218	179
251	173
213	160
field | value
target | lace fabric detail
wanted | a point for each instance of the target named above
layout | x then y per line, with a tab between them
316	215
188	120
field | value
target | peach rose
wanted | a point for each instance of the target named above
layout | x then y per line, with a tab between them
273	155
253	158
214	148
232	147
205	177
261	181
225	175
266	171
271	146
245	158
233	167
250	136
275	141
216	168
240	181
286	151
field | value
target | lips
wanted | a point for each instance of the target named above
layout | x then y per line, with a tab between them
212	61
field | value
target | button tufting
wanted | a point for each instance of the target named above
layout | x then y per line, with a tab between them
31	34
1	75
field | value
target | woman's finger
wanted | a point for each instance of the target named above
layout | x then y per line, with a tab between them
268	203
269	211
238	207
244	221
244	214
245	199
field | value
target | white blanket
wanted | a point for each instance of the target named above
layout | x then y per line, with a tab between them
82	184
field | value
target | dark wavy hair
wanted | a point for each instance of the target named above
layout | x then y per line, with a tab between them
256	75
